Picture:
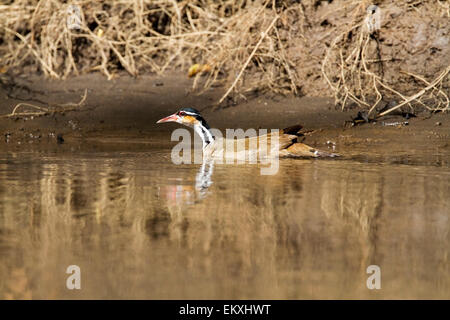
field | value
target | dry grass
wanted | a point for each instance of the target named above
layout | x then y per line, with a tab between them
353	67
248	46
147	36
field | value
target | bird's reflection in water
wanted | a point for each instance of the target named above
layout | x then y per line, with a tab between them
181	194
143	228
203	179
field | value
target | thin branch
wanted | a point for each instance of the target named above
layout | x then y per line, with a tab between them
263	35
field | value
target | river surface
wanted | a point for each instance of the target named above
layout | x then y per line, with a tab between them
139	226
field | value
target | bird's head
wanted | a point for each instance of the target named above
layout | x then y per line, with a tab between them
192	118
187	116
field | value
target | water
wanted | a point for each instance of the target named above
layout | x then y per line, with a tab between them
139	226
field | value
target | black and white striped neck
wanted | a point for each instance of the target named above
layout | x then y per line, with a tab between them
200	125
203	130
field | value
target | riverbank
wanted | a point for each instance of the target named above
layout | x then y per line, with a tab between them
122	114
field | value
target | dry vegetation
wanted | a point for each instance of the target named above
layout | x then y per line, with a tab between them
303	47
357	71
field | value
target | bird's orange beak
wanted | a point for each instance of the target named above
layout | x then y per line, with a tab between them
171	118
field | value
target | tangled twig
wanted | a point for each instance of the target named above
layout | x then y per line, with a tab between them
418	95
263	35
50	109
354	77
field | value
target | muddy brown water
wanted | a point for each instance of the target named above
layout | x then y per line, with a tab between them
139	226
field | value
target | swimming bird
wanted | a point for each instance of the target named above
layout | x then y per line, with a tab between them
214	147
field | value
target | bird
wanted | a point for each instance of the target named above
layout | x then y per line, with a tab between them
214	147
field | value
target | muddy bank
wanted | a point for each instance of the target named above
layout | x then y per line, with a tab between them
124	111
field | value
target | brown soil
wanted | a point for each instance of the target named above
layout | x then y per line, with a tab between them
126	109
411	39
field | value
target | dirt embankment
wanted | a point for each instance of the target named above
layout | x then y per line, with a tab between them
118	64
372	55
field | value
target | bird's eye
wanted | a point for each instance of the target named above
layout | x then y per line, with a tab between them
181	113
